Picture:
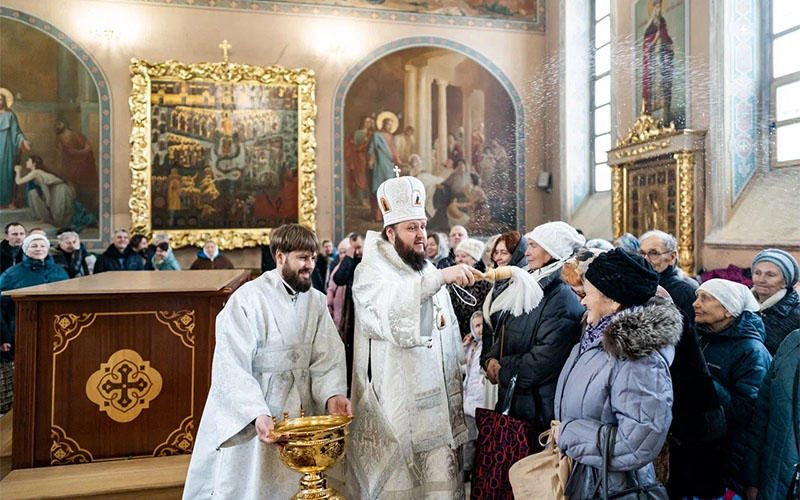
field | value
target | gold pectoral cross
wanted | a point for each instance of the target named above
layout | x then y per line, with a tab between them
225	46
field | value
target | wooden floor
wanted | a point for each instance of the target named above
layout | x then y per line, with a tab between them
144	478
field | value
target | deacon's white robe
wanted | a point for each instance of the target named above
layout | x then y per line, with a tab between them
408	415
273	354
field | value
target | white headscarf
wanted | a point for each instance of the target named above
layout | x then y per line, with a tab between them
32	237
734	297
559	239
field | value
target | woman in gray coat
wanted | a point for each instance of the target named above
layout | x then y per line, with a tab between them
618	375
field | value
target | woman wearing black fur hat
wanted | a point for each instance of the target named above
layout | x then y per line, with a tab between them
618	375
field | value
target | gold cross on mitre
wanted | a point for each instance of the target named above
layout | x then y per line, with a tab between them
396	171
225	46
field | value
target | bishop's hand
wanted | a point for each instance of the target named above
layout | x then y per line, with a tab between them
339	405
460	274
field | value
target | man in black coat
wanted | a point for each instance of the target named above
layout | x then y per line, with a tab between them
11	246
344	277
70	254
322	267
696	438
119	256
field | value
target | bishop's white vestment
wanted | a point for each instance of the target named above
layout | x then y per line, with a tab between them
406	394
275	352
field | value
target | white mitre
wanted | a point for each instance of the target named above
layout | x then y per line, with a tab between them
401	199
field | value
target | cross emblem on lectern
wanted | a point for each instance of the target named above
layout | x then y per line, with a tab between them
396	171
125	387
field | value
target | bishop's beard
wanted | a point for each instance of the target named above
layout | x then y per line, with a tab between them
293	279
410	256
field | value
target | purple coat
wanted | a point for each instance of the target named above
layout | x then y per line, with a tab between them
622	379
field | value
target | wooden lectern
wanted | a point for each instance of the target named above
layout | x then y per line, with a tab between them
114	365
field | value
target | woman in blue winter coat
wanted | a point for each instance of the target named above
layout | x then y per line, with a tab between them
732	340
618	375
35	269
773	435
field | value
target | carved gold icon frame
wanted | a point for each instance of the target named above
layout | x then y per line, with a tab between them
221	151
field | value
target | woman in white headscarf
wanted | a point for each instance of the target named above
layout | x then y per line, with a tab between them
732	338
536	344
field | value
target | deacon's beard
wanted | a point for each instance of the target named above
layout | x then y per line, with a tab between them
293	279
410	256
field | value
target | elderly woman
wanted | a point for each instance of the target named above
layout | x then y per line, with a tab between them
209	257
732	339
618	375
35	269
467	300
436	247
536	344
775	273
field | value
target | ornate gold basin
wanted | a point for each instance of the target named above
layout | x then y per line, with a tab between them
312	445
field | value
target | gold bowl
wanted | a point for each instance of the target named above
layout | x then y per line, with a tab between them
311	445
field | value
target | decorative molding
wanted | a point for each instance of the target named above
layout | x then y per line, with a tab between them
180	323
180	441
124	386
686	222
104	117
67	327
64	450
365	14
618	200
404	43
645	129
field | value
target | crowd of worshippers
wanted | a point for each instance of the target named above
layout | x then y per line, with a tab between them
707	364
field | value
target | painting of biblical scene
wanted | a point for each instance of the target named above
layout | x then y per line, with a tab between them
49	134
442	118
223	155
515	10
660	59
653	198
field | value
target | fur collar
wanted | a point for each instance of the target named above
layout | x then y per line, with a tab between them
635	335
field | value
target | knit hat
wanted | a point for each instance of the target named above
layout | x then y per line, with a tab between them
559	239
734	297
401	199
626	278
31	238
471	247
627	242
785	262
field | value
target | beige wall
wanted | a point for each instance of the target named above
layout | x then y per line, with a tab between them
158	33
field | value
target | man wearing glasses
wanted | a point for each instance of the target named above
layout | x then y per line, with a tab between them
661	250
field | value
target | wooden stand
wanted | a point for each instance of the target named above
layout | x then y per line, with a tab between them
151	478
115	365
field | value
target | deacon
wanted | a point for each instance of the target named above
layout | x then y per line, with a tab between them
277	351
409	418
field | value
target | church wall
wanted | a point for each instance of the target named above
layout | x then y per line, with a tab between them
744	228
328	46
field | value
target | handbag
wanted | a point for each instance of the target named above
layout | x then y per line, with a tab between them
502	441
543	475
633	490
794	486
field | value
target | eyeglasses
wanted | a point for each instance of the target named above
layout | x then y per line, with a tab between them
652	254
